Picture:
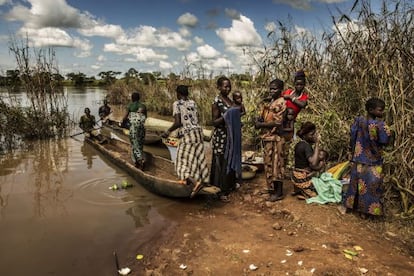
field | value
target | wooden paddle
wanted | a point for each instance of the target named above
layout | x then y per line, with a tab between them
79	133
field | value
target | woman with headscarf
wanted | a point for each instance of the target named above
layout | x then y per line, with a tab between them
269	122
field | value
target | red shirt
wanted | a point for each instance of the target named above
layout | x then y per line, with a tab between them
290	104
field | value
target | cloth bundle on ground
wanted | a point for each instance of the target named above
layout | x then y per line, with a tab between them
329	189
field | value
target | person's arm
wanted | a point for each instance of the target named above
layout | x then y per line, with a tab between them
145	110
271	124
101	112
81	123
242	110
289	127
299	102
218	120
177	124
314	159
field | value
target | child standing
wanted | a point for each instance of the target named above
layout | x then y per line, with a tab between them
369	134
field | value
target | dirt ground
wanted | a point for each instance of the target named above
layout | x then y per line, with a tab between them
250	236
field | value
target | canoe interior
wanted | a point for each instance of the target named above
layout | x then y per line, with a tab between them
151	137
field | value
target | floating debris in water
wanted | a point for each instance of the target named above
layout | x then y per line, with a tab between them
124	185
252	267
140	257
124	271
183	266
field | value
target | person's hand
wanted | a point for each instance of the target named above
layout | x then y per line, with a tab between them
349	156
258	123
287	97
165	134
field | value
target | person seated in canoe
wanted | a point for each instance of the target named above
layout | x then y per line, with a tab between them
87	121
104	111
190	165
136	114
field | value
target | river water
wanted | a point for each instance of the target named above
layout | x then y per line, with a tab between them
58	215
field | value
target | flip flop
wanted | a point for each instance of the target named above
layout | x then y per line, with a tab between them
224	199
198	186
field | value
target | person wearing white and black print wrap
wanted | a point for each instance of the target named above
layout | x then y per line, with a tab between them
190	165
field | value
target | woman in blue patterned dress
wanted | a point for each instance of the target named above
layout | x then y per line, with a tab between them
369	134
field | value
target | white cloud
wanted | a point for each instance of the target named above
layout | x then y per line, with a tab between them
349	27
296	4
301	31
198	40
165	65
185	32
107	30
188	20
139	53
305	4
270	27
222	63
331	1
233	14
150	36
192	57
241	33
207	52
55	37
46	13
101	58
3	2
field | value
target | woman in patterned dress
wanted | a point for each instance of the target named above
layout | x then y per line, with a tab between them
136	113
221	176
191	165
369	134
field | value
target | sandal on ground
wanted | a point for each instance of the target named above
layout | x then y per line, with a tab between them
300	197
342	210
198	186
224	198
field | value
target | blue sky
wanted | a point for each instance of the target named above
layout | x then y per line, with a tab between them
91	36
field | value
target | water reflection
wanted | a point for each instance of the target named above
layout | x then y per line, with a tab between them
50	162
139	214
88	154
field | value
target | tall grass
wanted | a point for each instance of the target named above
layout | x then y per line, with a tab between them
46	113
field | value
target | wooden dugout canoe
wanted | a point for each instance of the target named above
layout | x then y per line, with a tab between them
111	126
158	176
